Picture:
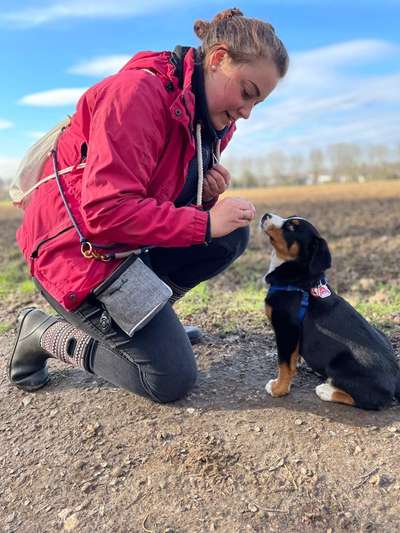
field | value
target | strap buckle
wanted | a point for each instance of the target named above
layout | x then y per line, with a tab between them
88	252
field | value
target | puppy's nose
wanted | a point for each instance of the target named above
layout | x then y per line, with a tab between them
265	217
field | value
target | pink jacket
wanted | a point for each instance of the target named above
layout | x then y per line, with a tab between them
140	136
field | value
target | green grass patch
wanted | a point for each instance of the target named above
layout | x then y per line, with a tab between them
4	327
27	287
14	278
195	301
380	307
226	309
244	306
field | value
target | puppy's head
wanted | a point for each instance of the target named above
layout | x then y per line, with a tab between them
295	239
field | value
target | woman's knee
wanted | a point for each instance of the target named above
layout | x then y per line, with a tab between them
242	240
235	243
172	387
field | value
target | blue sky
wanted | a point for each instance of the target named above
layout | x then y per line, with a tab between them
343	84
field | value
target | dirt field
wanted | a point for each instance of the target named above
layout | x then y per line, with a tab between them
81	455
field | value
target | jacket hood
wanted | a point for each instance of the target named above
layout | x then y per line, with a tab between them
166	64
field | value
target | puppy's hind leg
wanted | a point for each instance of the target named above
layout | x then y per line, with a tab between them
330	393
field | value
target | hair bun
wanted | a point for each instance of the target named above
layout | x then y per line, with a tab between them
227	14
201	28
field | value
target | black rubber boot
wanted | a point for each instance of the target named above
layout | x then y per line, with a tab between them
27	368
194	333
39	337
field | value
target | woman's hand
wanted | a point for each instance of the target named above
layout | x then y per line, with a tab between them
216	181
230	214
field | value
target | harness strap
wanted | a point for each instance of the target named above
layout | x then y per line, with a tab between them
305	294
305	297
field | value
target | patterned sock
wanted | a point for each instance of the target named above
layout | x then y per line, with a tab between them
67	343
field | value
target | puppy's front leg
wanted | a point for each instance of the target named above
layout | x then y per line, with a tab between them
286	372
287	333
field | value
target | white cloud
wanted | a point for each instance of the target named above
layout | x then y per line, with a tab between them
56	10
54	98
5	124
325	99
100	66
8	166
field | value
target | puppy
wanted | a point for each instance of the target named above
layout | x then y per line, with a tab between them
311	321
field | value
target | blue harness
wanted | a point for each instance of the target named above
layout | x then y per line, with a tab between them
305	295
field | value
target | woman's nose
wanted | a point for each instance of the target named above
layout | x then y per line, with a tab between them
245	111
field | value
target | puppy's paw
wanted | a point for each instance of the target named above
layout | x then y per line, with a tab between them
276	389
325	391
268	386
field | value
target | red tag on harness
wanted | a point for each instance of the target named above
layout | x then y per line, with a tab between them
321	291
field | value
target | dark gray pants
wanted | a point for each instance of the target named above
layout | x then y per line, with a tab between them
158	361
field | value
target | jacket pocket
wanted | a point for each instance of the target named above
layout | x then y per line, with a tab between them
35	251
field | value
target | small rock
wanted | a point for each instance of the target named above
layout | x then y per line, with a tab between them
163	435
252	507
87	487
393	429
357	450
375	480
81	506
257	429
298	422
71	522
27	401
10	518
64	513
53	413
190	410
117	471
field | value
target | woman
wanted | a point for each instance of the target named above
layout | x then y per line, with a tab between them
142	144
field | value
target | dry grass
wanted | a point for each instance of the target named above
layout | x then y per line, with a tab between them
321	193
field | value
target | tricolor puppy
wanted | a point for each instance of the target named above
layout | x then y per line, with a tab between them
311	321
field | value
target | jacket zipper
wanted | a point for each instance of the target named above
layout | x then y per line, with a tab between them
35	252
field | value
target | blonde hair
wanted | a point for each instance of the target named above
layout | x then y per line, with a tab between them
246	39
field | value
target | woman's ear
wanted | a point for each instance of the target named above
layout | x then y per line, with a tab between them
217	56
320	256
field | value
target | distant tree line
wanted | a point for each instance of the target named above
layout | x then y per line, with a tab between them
337	163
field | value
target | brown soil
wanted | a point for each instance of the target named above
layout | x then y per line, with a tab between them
82	455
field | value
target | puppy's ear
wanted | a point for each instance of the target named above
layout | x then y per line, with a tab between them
320	256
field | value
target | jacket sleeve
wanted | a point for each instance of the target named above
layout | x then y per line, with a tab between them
126	140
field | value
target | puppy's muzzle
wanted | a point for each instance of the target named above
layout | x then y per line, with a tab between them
269	219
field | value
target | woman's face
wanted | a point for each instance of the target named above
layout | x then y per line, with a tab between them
232	89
